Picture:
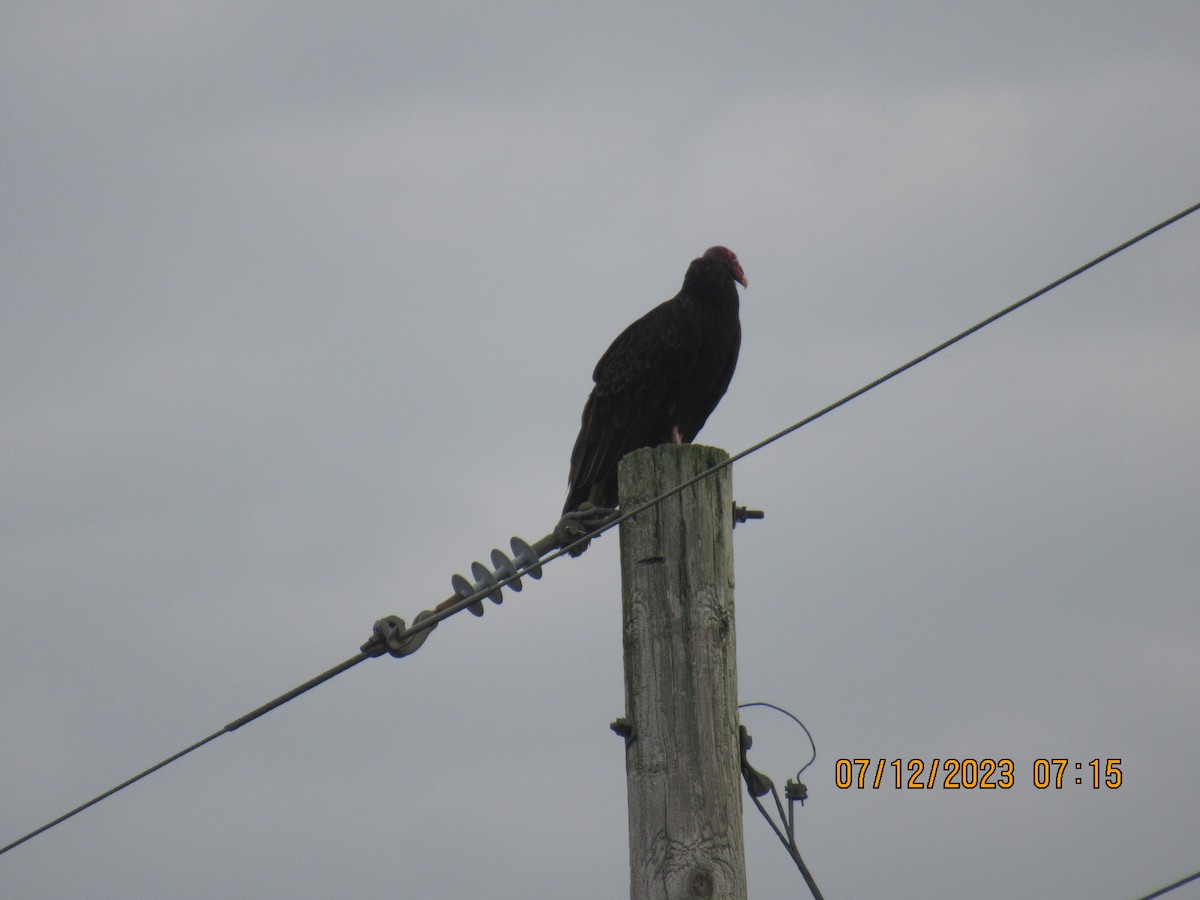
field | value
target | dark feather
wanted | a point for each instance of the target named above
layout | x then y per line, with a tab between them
663	373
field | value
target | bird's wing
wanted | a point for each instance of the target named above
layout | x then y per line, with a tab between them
643	367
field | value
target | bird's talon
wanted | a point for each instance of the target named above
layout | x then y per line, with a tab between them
580	523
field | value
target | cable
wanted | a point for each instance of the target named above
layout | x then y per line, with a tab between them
1171	887
456	604
232	726
111	791
789	841
803	727
758	784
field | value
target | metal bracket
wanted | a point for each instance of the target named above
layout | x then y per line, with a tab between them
741	515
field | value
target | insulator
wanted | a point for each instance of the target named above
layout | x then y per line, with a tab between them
465	589
484	579
487	583
506	569
525	558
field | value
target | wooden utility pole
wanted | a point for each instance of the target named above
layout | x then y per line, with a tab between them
682	757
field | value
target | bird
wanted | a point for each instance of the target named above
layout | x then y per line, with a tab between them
661	378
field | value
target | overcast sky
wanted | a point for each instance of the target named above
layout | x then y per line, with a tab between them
299	308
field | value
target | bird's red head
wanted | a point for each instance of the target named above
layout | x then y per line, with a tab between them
729	260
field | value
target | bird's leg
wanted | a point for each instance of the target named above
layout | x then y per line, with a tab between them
676	437
575	525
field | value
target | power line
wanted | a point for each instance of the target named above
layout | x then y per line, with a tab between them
391	635
1171	887
232	726
758	784
111	791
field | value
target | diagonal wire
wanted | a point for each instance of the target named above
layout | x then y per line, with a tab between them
789	841
232	726
111	791
448	609
1170	887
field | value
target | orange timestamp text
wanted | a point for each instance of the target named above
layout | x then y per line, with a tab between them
973	774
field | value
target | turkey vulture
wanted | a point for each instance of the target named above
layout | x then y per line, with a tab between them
660	379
